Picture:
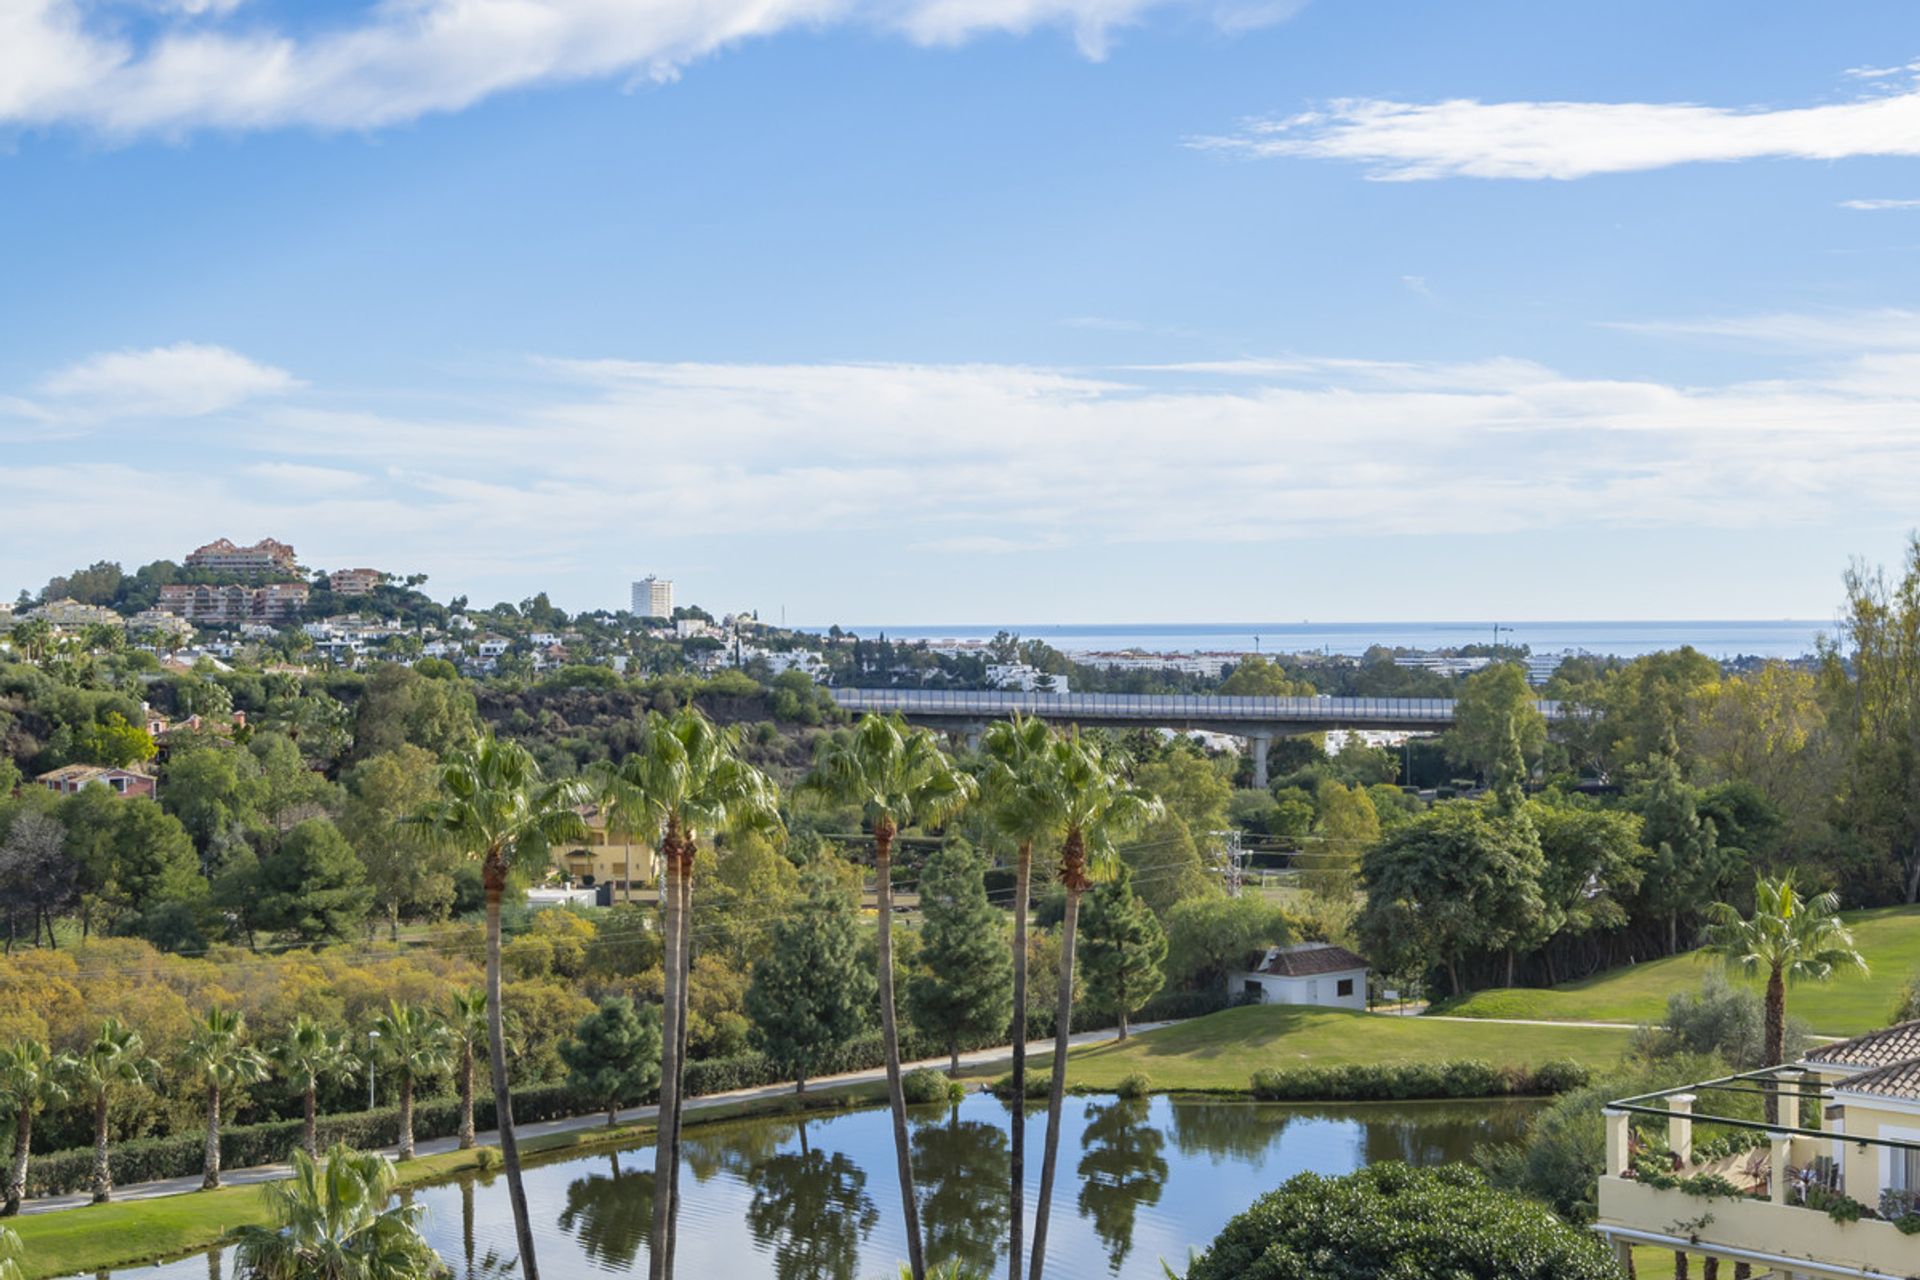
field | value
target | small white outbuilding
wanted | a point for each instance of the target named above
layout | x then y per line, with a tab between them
1306	973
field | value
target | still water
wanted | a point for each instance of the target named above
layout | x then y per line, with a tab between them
779	1198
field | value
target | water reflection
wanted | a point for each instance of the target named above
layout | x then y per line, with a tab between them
774	1199
813	1209
1121	1170
962	1167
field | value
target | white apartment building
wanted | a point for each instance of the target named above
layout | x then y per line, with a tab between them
653	597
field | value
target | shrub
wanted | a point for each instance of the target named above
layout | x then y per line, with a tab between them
1392	1220
1839	1206
926	1085
1038	1083
1396	1081
1136	1085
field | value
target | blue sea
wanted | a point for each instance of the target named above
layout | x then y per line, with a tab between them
1787	638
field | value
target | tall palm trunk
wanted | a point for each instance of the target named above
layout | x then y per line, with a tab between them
1776	1042
1017	1165
102	1170
663	1160
686	1025
883	833
310	1119
211	1178
466	1222
494	874
406	1117
17	1174
466	1096
1073	874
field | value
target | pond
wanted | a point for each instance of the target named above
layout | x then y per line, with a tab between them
786	1199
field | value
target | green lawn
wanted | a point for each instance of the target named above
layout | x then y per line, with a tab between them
1222	1051
1846	1006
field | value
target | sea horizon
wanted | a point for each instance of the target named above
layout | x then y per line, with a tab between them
1626	638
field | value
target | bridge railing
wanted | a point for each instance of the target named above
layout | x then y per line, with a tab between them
1153	706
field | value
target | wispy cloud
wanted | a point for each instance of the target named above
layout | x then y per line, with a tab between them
1464	137
1882	329
186	379
65	62
1876	205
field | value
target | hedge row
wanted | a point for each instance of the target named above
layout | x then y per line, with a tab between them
1395	1081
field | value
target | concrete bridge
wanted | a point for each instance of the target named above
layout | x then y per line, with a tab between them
1259	720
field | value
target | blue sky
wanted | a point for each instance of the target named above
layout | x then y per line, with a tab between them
973	310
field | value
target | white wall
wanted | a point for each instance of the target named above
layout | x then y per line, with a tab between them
1321	989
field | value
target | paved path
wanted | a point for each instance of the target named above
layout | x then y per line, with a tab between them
597	1120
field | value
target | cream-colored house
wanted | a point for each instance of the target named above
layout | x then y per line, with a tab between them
1786	1207
629	866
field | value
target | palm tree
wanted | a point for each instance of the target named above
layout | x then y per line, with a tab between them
11	1252
113	1060
495	806
684	778
32	1078
309	1054
333	1220
1020	805
413	1044
898	776
1794	939
218	1054
467	1031
1094	807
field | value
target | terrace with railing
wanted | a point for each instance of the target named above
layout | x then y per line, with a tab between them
1811	1169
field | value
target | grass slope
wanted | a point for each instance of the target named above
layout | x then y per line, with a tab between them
1221	1052
1846	1006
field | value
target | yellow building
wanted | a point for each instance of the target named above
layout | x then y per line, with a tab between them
628	866
1823	1198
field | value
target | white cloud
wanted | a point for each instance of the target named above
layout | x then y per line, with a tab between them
1876	205
1884	329
61	63
1463	137
183	380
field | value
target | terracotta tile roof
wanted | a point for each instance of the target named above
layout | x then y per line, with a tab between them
1306	959
1885	1047
1896	1080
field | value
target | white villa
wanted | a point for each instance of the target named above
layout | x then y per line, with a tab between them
1305	973
1822	1193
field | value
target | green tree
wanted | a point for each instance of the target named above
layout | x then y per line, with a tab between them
614	1055
219	1057
1874	686
1592	863
1688	867
399	705
1391	1220
405	872
1167	865
1255	677
810	993
1789	938
338	1220
1022	808
1096	809
114	1060
1209	938
212	790
1121	1169
1649	705
313	888
684	778
495	807
411	1043
899	777
1345	826
1123	948
307	1054
112	741
961	990
1456	880
963	1167
32	1078
1495	702
1192	787
154	863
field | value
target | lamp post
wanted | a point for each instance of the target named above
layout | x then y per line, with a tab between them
372	1035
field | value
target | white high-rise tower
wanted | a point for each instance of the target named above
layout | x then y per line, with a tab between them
653	597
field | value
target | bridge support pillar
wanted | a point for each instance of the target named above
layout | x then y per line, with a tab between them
972	733
1260	744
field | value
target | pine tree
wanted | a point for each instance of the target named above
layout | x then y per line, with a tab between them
964	988
614	1055
811	992
1122	948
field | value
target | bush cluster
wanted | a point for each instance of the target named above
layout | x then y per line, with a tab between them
1396	1081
